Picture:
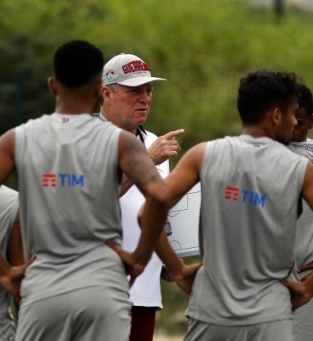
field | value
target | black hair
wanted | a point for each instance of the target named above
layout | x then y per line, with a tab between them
305	99
262	90
77	62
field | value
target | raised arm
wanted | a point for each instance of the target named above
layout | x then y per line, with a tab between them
165	147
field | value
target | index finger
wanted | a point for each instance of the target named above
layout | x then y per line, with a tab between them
174	133
305	267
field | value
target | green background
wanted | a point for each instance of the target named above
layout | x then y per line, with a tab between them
202	47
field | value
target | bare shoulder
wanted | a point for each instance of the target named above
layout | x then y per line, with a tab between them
7	141
186	173
7	150
193	157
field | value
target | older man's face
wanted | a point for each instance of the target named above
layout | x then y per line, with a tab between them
130	106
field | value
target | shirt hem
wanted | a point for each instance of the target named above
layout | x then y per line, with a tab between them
239	322
28	299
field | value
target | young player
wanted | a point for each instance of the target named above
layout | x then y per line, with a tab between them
69	169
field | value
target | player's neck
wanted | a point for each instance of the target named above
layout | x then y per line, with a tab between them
257	131
74	106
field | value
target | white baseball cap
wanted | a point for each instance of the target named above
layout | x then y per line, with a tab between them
128	70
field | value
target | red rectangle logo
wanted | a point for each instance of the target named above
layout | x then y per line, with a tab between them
49	180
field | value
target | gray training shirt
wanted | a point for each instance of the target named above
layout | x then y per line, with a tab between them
250	189
69	178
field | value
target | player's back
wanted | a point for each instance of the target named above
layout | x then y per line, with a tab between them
249	189
68	182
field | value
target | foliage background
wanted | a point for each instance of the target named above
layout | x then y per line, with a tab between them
202	47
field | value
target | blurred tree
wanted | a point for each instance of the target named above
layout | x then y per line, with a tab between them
279	7
202	47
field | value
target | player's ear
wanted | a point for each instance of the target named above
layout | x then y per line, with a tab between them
106	93
52	86
275	116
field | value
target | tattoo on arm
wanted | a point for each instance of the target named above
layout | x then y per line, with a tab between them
139	167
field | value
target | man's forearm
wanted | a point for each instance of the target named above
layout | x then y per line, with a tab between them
151	229
5	267
168	256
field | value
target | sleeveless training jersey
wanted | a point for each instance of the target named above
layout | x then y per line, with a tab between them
303	317
8	211
68	183
249	190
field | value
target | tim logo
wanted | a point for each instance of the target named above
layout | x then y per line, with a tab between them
244	196
62	180
65	120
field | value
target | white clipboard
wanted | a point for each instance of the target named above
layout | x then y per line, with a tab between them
184	222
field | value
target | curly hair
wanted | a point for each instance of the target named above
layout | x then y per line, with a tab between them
77	62
262	90
305	99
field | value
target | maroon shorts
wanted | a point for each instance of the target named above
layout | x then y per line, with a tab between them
142	323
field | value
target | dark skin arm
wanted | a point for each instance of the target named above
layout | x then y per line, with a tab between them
11	276
183	177
15	252
305	267
139	168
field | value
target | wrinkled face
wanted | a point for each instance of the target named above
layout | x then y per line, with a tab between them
287	123
130	106
304	123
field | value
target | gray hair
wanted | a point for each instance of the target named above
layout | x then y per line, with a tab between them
113	88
